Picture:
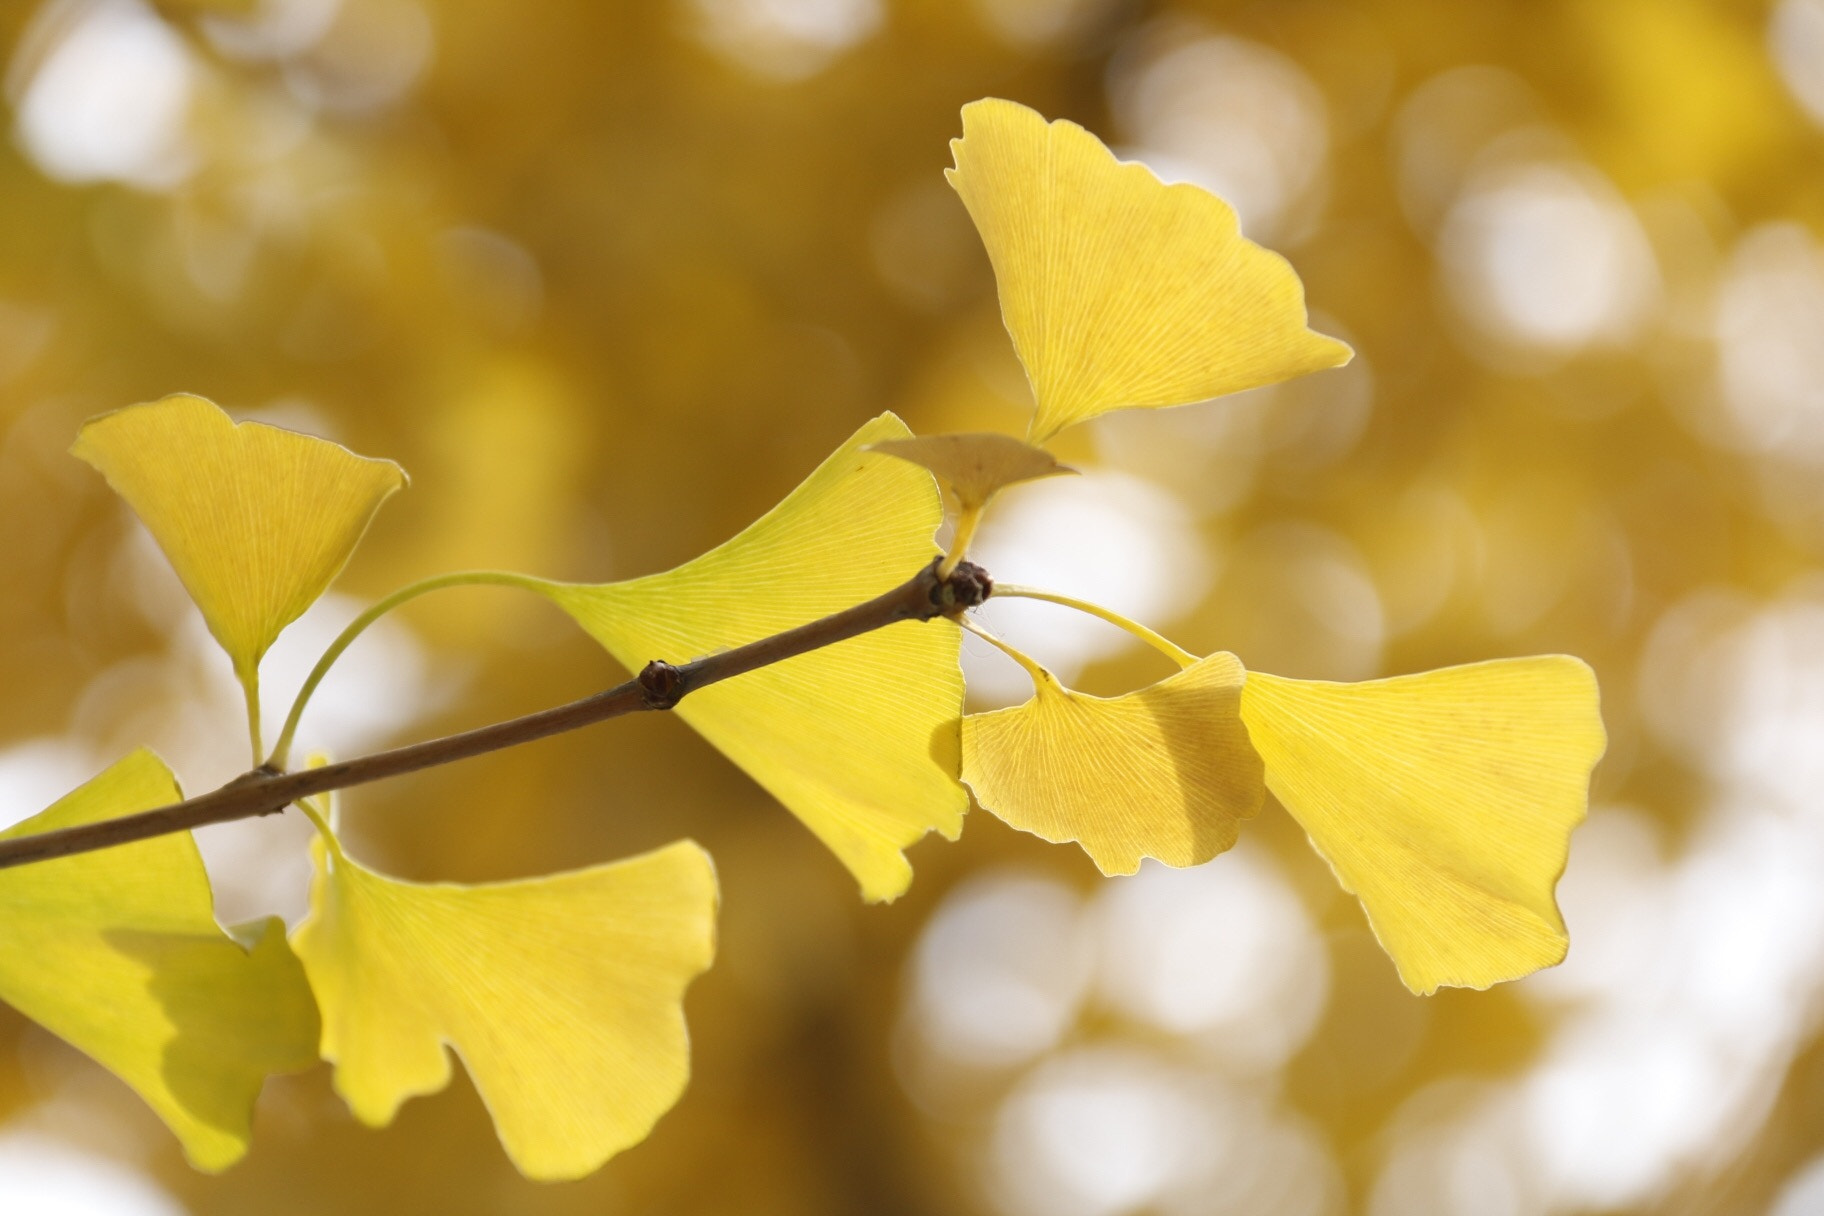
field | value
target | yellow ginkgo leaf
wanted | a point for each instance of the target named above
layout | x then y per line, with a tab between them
118	952
1117	289
977	465
255	519
859	740
1165	772
563	995
1444	800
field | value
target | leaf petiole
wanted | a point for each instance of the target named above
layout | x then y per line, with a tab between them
967	519
319	819
1041	677
281	751
1159	642
250	689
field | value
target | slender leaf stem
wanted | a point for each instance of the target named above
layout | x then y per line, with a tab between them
250	688
967	520
281	751
659	685
320	819
1159	642
1041	675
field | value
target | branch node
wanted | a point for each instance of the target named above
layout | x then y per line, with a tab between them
662	684
254	776
968	586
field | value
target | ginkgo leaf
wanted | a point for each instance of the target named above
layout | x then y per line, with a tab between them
1164	772
1445	801
859	740
1118	290
563	995
255	519
119	953
975	466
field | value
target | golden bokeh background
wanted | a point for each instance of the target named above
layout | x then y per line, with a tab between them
609	278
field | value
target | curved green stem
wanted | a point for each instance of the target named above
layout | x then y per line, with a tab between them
281	750
1159	642
1041	676
320	809
319	819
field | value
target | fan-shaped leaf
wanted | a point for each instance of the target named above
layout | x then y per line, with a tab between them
860	739
1164	772
118	952
256	519
563	995
1118	290
977	465
1444	800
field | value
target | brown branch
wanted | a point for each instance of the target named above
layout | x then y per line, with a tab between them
659	686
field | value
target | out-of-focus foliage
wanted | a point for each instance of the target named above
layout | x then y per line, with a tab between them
609	277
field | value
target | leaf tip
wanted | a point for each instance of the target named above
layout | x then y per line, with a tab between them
1335	351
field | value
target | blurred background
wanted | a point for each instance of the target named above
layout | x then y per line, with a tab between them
610	278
